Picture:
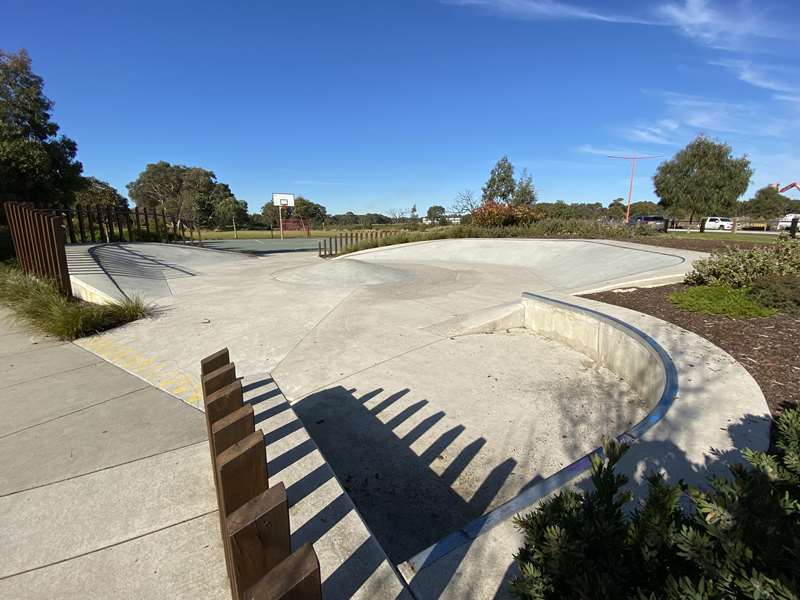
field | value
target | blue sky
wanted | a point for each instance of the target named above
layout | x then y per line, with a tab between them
375	105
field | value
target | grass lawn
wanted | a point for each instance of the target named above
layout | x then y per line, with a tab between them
719	300
253	234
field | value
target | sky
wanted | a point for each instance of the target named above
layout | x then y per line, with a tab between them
375	105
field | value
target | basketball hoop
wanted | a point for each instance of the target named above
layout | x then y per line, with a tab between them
281	200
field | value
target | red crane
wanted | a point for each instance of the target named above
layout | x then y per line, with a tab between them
794	185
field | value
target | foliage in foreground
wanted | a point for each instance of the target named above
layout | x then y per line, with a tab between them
40	305
740	267
548	228
720	300
738	539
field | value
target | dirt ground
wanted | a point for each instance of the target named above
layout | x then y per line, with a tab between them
767	347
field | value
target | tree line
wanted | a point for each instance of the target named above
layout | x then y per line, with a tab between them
39	165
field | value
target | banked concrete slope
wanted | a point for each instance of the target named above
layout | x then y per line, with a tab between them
563	265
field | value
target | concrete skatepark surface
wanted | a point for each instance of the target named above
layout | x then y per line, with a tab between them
359	349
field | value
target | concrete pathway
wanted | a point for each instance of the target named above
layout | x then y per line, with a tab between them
105	486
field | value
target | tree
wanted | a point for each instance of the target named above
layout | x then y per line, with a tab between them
183	192
525	193
414	215
645	207
96	193
36	164
768	203
309	211
465	202
269	212
230	211
436	214
616	210
500	186
703	178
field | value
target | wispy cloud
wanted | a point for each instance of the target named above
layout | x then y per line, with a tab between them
547	9
648	135
604	151
776	79
723	24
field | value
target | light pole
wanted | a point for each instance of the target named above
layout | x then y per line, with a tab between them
633	160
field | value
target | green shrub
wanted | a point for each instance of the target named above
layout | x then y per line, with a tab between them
40	305
738	539
781	292
739	267
719	300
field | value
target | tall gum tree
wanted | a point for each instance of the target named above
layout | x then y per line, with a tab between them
702	179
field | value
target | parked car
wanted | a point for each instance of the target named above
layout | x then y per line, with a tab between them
654	221
786	221
725	223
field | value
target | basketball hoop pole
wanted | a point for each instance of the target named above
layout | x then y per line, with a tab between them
280	218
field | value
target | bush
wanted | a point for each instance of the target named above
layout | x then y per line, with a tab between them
42	306
739	267
781	292
738	539
500	214
720	300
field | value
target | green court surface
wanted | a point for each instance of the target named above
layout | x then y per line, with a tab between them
263	246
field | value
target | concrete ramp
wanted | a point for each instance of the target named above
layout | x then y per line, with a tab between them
346	274
562	265
107	272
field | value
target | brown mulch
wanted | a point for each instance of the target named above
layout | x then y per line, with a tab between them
698	245
767	347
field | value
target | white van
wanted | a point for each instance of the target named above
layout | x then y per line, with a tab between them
719	223
786	221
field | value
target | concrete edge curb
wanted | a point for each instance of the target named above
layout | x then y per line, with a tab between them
559	479
89	293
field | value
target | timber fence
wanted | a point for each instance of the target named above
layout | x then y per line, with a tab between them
38	238
98	224
351	240
254	515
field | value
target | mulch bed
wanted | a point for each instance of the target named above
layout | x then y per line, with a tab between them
696	244
767	347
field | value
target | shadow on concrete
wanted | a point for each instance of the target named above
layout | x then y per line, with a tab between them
406	504
261	247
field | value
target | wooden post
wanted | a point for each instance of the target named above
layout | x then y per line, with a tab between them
118	214
215	361
146	222
218	379
91	223
79	214
70	227
128	223
137	221
242	471
224	401
232	428
258	533
294	578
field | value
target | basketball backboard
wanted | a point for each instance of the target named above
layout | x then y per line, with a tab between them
283	199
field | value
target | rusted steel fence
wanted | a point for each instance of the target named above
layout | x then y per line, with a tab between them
351	240
254	515
87	224
38	237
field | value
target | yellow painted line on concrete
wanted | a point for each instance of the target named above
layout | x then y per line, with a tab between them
170	379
